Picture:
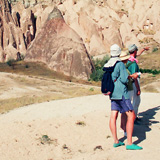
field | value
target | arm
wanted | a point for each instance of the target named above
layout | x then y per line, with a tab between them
137	86
142	50
134	75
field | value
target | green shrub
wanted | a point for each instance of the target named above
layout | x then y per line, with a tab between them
11	62
98	72
155	49
151	71
97	75
46	140
26	66
91	89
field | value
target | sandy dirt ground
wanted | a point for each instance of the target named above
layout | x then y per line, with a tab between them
77	129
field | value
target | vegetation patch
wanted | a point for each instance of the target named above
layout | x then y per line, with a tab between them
150	88
98	72
148	64
151	71
108	137
91	89
81	123
12	103
98	148
46	140
66	148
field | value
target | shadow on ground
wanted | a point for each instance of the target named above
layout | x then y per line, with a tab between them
143	125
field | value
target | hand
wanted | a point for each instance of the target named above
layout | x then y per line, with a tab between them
138	92
107	94
134	75
146	48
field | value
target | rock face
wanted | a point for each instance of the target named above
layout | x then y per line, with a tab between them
100	23
112	21
15	30
61	48
97	24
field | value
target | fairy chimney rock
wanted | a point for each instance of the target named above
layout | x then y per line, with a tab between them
61	48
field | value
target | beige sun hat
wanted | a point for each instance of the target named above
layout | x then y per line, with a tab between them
124	55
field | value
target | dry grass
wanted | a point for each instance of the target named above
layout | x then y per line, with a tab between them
150	88
30	83
41	84
32	69
12	103
151	60
40	70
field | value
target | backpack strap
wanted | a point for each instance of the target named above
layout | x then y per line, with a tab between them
114	67
116	63
127	65
110	69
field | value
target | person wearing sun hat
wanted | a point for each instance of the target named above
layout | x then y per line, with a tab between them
115	52
133	68
124	58
120	101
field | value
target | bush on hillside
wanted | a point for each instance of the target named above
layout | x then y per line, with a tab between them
98	72
155	49
10	62
151	71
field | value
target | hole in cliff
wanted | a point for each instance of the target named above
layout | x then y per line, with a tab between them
18	19
63	13
75	2
14	45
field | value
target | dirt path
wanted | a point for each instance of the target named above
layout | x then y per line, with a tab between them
76	129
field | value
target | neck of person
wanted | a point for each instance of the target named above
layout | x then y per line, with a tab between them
114	56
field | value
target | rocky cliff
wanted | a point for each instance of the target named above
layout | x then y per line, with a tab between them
95	24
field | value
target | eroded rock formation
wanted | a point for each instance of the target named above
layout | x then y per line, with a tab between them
61	48
15	32
98	23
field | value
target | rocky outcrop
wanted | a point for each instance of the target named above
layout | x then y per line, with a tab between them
101	23
15	32
98	23
61	48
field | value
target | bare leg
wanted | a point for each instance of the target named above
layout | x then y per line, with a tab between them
130	125
136	100
123	121
112	125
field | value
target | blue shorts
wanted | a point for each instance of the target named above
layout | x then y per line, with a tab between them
122	105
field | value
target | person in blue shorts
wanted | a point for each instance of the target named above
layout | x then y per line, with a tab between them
120	101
